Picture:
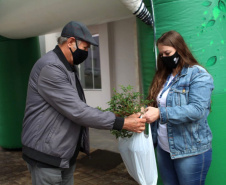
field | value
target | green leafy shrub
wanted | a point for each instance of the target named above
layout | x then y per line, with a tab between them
124	104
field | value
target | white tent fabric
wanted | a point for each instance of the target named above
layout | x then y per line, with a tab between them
28	18
139	9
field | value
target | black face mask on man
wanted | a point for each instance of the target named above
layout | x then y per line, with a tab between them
171	62
79	55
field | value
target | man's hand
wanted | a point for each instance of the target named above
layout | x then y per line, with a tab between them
134	123
135	115
151	114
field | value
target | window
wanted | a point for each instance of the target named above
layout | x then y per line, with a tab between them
89	70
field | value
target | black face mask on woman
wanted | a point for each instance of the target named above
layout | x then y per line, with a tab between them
171	62
79	55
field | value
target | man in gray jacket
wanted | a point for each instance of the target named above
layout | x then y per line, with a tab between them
56	120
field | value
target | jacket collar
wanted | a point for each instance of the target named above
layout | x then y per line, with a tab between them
184	71
63	59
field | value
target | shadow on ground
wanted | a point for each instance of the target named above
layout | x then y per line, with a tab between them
101	160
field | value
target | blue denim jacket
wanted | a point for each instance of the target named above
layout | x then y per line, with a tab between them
187	107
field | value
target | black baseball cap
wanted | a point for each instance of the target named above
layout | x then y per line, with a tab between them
79	31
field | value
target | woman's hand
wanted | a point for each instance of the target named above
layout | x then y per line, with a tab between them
142	110
151	114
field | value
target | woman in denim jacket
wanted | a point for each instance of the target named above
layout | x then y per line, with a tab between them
181	90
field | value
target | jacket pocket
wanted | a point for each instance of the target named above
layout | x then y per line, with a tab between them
54	123
195	132
181	96
49	136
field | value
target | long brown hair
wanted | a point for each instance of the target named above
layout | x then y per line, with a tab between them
173	39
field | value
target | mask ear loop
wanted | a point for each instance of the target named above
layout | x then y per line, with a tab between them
76	46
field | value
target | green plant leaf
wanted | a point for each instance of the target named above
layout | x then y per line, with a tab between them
124	104
207	3
210	23
211	61
221	6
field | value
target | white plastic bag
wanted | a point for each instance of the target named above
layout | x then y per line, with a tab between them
139	157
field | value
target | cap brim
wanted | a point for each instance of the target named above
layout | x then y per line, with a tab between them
93	42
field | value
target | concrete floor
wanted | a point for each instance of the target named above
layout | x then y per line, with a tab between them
104	166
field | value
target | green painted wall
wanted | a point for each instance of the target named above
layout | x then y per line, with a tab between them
16	60
203	25
146	54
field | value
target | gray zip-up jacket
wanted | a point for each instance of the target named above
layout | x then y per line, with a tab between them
55	113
